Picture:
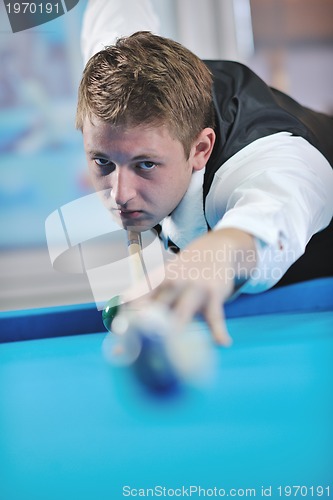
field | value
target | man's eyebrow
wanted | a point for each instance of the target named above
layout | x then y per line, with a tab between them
95	153
140	157
145	156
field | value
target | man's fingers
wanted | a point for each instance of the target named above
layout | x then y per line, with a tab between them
215	319
193	300
188	300
185	300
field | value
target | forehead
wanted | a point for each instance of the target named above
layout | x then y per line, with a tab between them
98	133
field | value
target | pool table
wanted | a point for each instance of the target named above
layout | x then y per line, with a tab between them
74	427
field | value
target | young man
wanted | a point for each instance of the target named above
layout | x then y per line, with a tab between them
235	175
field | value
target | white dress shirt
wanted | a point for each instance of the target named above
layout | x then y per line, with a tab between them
279	189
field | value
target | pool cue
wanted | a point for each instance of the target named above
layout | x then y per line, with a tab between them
137	267
153	351
138	277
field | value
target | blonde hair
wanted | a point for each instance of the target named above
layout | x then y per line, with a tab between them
145	78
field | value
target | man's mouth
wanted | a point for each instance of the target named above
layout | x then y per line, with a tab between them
128	214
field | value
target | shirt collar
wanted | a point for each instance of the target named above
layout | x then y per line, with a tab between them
187	221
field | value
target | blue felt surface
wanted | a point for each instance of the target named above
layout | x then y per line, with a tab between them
72	427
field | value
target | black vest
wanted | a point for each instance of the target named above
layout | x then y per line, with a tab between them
248	109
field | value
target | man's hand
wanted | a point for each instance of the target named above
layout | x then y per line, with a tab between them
202	277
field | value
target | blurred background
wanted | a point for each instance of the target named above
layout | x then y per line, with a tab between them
289	43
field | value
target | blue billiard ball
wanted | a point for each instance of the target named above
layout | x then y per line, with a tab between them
148	333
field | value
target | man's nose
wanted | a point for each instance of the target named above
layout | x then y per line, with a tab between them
123	188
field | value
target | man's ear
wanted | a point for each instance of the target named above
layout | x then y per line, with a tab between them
202	148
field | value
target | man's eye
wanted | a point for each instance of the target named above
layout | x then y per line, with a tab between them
102	162
146	165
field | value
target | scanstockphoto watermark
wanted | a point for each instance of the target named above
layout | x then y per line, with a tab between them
25	15
224	273
263	491
193	491
239	256
227	263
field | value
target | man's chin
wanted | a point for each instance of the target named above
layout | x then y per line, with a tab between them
139	227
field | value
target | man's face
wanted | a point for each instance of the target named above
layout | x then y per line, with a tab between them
142	171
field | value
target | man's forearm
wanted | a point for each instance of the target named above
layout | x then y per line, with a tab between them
227	256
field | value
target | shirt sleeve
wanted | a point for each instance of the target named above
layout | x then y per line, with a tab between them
106	20
279	189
